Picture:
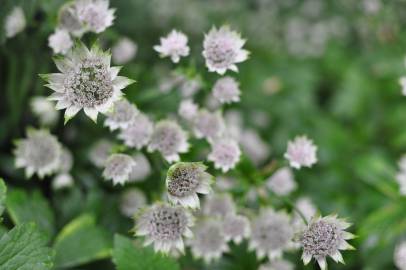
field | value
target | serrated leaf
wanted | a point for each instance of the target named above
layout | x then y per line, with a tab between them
24	248
81	241
128	256
3	190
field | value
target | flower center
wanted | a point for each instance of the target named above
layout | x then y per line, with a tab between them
167	223
183	181
41	152
221	52
321	239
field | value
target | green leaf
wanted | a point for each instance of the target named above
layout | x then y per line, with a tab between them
128	256
81	241
25	207
24	248
3	190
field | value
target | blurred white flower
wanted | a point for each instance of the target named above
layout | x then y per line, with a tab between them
371	6
118	168
306	208
223	50
142	168
227	90
86	82
69	21
219	205
173	45
14	22
400	256
225	183
225	154
208	125
278	264
65	160
94	15
60	41
124	51
234	124
61	181
44	110
189	87
236	228
402	82
122	115
188	109
301	152
254	146
401	175
131	201
282	182
100	152
138	133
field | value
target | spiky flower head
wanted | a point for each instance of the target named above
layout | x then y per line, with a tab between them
225	153
325	236
208	125
38	153
165	226
227	90
184	180
94	15
188	109
131	201
14	22
174	45
100	152
138	133
399	256
86	82
278	264
60	41
44	110
282	182
169	139
236	228
118	168
219	205
122	115
402	82
222	49
142	168
209	241
124	51
271	234
301	152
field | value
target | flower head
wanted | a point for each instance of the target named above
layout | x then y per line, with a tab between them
402	82
223	50
138	133
254	146
38	153
325	236
209	241
278	264
99	152
86	82
69	21
219	205
301	152
118	168
142	168
44	110
131	201
124	50
122	115
400	256
282	182
225	153
236	228
61	181
94	15
65	160
165	226
14	22
306	207
169	139
60	41
184	180
188	109
226	90
208	125
174	45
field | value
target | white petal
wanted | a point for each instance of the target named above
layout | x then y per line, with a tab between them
121	82
92	113
322	263
71	112
114	72
337	257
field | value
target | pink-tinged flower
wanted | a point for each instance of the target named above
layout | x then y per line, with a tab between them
118	168
174	45
123	51
138	133
94	15
188	109
60	41
226	90
282	182
301	152
225	153
208	125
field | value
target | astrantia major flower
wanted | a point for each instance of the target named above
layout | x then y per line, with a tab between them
142	168
306	208
188	109
209	241
301	152
122	115
325	236
65	161
399	256
164	226
282	182
61	181
38	153
138	133
94	15
118	168
14	22
131	201
254	146
271	234
223	50
184	180
60	41
174	45
99	152
123	51
226	90
279	264
225	153
69	21
236	228
208	125
169	139
86	82
219	205
44	109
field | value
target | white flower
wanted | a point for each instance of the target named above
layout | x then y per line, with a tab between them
94	15
60	41
38	153
325	236
99	152
402	82
227	90
124	51
164	226
169	139
282	182
189	87
301	152
61	181
44	110
65	161
122	115
279	264
223	50
219	205
400	256
131	201
184	180
236	228
118	168
142	168
87	82
69	21
208	125
306	208
271	234
225	183
225	153
401	179
138	133
209	241
254	146
188	109
174	45
14	22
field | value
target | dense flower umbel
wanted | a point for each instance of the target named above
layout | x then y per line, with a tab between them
282	182
169	139
60	41
122	115
219	205
87	82
14	22
223	50
38	153
164	226
236	228
225	153
174	45
301	152
325	236
138	133
184	180
94	15
226	90
131	201
208	125
118	168
399	256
